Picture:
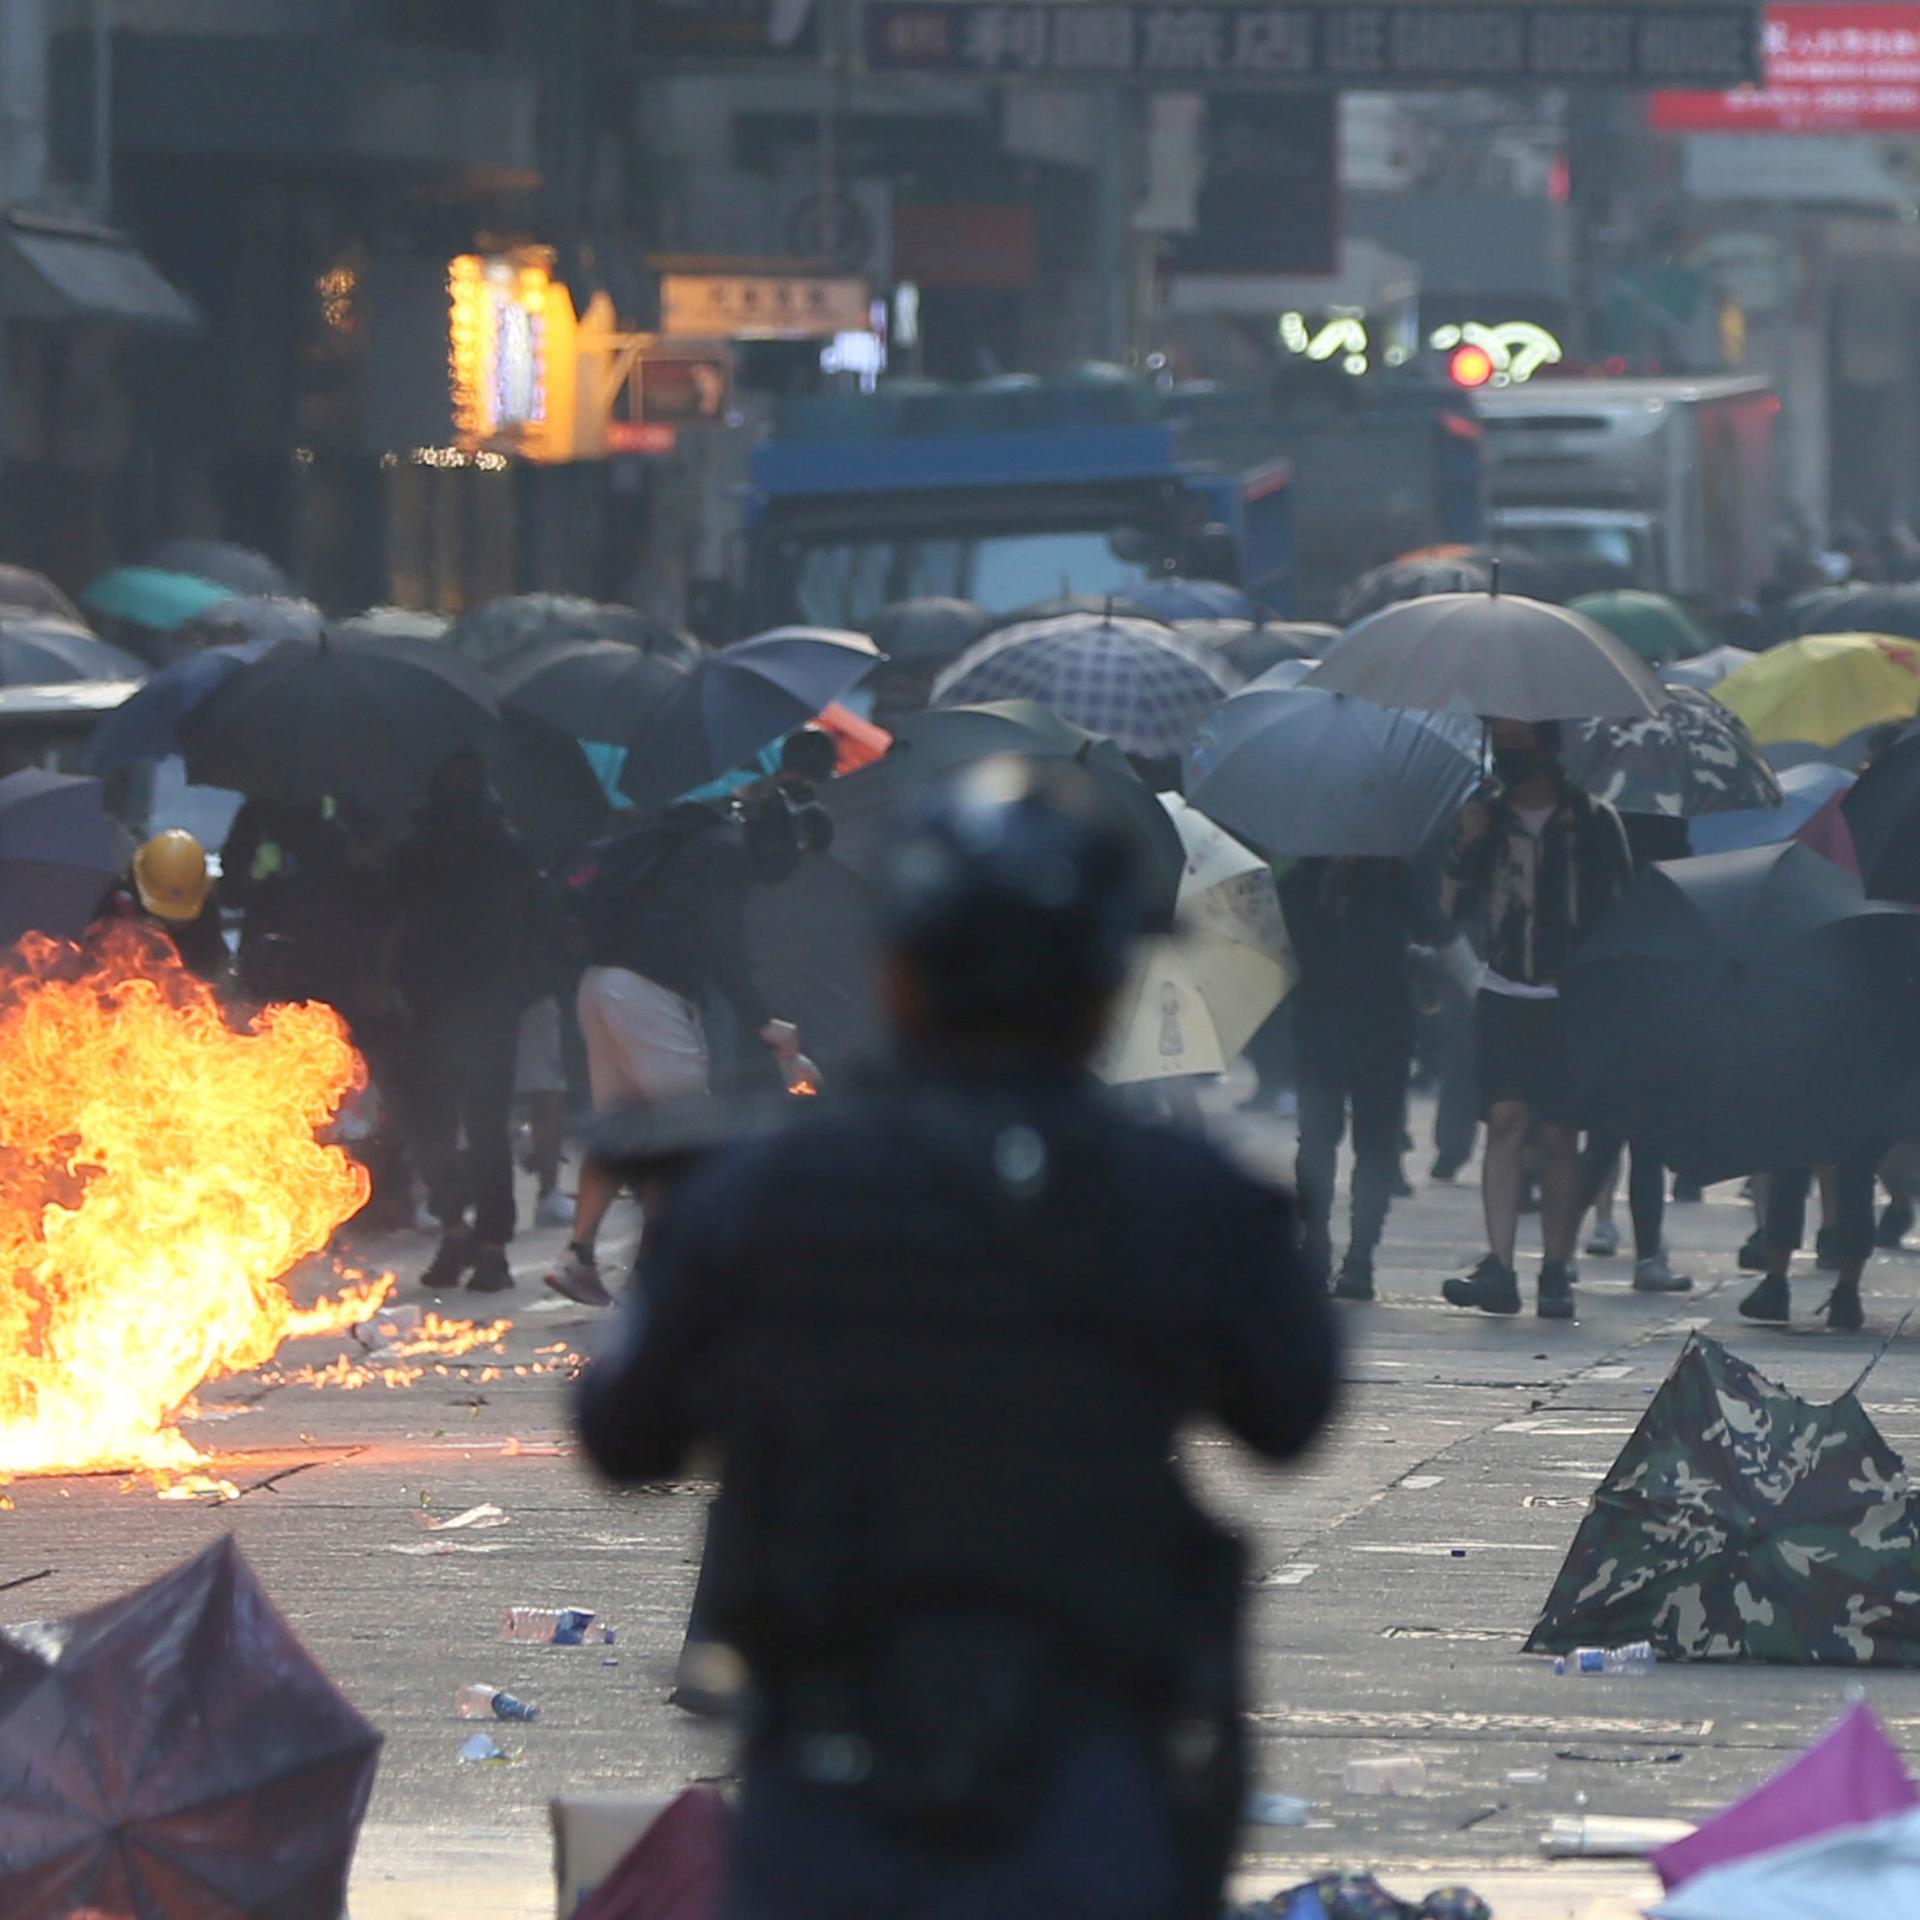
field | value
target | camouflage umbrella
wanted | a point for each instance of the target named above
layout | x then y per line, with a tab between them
1411	580
1743	1523
1693	756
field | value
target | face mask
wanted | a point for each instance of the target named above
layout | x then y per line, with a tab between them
1515	764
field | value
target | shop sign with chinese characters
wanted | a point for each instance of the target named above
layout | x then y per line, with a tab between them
1336	43
1829	69
724	306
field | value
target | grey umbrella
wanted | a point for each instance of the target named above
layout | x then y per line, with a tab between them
1499	655
24	591
1296	773
933	629
37	650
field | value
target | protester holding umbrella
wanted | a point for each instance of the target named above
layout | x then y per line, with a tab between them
1542	863
467	900
663	908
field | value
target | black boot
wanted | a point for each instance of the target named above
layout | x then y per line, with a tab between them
1556	1290
1753	1253
1896	1222
1771	1301
1842	1308
451	1264
1492	1286
491	1274
1356	1277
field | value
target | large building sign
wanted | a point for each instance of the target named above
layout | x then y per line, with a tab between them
1550	43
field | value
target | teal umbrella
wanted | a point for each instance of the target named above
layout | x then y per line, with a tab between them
153	596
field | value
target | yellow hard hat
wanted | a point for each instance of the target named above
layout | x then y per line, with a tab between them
170	873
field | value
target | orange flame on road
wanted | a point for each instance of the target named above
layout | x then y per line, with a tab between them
159	1172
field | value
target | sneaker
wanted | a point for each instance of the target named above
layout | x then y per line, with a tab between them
1402	1186
1753	1254
1655	1274
1492	1286
451	1264
579	1281
1896	1222
1687	1193
1826	1251
1445	1171
553	1209
1843	1311
1355	1281
1556	1291
491	1274
1771	1301
1604	1241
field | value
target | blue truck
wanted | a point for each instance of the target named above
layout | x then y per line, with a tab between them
1015	491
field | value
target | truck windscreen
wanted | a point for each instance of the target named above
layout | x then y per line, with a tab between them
843	581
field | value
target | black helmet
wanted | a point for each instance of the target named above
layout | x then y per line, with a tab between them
1015	892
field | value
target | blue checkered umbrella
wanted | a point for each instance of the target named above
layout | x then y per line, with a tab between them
1140	684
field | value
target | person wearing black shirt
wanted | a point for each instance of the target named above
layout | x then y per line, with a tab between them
665	925
945	1336
1351	923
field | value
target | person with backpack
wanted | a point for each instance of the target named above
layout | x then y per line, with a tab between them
663	916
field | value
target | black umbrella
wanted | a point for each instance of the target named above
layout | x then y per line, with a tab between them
1416	579
56	854
38	650
735	702
931	745
813	939
503	634
1495	654
1254	647
174	1754
361	720
1746	1010
933	629
593	689
1692	757
24	591
224	563
1860	609
549	790
1883	815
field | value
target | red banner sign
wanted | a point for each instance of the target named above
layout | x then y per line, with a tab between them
1829	69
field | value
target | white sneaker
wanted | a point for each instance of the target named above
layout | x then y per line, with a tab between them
554	1209
1604	1241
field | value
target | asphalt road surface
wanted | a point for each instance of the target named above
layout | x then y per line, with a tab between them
1396	1576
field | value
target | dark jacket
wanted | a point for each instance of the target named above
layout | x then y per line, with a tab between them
472	922
946	1339
1352	925
668	901
1537	897
200	942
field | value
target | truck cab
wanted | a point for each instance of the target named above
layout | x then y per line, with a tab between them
1007	493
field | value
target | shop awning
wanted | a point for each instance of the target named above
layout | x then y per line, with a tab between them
67	273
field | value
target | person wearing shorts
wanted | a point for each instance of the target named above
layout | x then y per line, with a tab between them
540	1088
1540	863
661	938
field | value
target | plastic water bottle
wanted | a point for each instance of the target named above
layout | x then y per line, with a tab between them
1634	1658
480	1702
546	1626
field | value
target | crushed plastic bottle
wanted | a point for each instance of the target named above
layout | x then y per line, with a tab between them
1402	1773
479	1700
547	1626
388	1327
479	1747
1637	1657
1275	1810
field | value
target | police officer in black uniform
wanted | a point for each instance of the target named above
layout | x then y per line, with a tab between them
946	1336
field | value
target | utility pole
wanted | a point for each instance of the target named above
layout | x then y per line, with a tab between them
100	173
1113	211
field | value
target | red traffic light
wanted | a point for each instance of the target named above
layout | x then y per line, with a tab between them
1470	366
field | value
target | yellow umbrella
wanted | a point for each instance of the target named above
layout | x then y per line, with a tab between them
1194	1000
1825	687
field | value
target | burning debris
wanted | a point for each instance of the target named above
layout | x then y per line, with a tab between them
160	1171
